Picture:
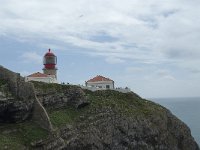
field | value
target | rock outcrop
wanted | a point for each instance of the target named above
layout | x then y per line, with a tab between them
109	131
58	96
85	120
116	121
16	97
18	101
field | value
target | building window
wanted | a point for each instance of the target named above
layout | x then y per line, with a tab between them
100	86
107	86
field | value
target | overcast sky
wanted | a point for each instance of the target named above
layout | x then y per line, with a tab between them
151	46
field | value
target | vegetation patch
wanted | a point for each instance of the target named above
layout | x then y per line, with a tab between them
64	116
10	142
16	136
45	87
127	104
124	103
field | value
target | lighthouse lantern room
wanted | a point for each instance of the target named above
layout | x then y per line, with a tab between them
50	61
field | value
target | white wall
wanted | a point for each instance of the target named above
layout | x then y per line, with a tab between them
122	90
101	84
42	79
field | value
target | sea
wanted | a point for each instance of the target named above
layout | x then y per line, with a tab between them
187	110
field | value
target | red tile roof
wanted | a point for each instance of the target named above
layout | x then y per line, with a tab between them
38	74
99	78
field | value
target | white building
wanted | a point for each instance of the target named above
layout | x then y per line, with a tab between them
100	82
49	74
40	77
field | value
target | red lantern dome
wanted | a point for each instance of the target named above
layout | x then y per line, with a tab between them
50	60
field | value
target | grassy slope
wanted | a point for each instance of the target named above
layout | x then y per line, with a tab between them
16	136
46	87
128	105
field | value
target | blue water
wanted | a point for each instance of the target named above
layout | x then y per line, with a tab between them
187	110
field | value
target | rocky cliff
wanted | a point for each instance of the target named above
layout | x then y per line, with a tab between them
56	96
85	120
124	121
16	97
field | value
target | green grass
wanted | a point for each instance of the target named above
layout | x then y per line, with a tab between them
124	103
63	116
45	87
16	136
129	105
10	142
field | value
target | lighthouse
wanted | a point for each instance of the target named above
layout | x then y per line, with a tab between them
49	74
49	62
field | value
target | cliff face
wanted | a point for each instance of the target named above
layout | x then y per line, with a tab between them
57	96
112	121
81	119
116	121
16	97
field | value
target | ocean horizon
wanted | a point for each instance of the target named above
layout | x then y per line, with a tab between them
186	109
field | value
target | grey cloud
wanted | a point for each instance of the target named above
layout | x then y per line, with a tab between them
182	54
158	30
168	13
102	38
